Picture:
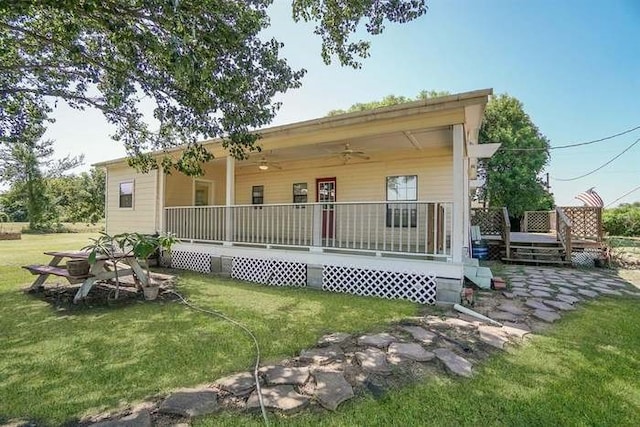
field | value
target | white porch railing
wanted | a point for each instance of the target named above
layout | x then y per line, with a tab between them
382	227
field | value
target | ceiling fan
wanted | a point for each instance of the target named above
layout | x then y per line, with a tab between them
264	164
348	153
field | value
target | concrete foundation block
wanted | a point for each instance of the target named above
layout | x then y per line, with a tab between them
216	264
314	276
226	265
448	290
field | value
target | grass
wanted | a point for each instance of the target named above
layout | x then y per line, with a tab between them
56	366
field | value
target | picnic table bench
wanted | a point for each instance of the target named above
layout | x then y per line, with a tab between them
102	270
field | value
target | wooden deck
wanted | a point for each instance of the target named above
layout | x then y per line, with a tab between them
541	239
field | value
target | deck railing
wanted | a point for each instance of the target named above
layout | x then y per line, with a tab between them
537	222
489	220
387	227
586	222
564	232
506	231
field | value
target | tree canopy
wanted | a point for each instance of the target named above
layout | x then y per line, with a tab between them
388	101
512	175
203	65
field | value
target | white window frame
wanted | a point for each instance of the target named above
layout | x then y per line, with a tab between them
211	185
133	192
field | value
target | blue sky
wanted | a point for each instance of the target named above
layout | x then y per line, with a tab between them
574	64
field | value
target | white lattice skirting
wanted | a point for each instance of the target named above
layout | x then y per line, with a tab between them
420	288
193	261
269	271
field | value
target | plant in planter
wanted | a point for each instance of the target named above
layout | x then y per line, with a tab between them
109	246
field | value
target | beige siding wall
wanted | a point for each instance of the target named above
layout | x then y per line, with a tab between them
356	181
142	217
179	187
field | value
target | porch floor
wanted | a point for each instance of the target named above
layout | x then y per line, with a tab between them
547	239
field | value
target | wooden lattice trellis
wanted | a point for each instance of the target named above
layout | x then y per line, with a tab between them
536	221
488	219
586	222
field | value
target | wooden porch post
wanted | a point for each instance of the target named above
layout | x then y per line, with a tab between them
230	199
459	176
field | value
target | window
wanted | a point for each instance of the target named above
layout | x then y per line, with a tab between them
401	189
126	194
300	192
202	191
257	195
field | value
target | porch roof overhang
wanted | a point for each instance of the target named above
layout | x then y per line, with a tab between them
420	125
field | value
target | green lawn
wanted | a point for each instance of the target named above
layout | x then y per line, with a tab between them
58	365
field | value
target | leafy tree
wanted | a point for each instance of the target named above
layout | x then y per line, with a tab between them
25	164
623	220
512	175
388	101
201	64
79	198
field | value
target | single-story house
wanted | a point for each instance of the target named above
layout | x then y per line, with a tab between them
374	202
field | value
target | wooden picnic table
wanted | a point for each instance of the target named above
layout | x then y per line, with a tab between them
102	270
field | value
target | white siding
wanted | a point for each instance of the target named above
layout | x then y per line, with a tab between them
142	217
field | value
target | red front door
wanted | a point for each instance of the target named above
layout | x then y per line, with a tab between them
326	193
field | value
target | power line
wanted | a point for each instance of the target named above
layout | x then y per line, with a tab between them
600	167
623	196
577	144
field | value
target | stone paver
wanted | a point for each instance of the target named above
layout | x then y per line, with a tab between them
536	304
540	294
547	316
239	384
565	291
332	389
587	293
420	334
520	293
561	305
541	288
568	298
456	364
275	375
609	292
512	308
411	351
321	356
333	339
190	403
282	398
502	315
381	340
373	360
517	330
137	419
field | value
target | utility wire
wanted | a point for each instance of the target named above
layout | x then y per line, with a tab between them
623	196
253	337
578	144
600	167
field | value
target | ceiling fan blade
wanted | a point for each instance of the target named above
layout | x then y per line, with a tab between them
275	165
360	155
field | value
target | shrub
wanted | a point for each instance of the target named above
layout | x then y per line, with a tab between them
623	220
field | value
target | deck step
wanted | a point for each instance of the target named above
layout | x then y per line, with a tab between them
540	248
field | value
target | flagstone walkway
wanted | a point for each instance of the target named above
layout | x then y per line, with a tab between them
343	366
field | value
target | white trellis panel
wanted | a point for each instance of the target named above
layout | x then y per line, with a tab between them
416	287
269	271
195	261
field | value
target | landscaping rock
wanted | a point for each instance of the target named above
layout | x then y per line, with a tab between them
568	298
512	308
381	340
459	323
321	356
275	375
282	398
560	305
190	403
507	294
587	293
137	419
333	339
239	384
420	334
411	351
373	360
456	364
332	389
547	316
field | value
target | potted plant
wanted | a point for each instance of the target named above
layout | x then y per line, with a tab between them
143	246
